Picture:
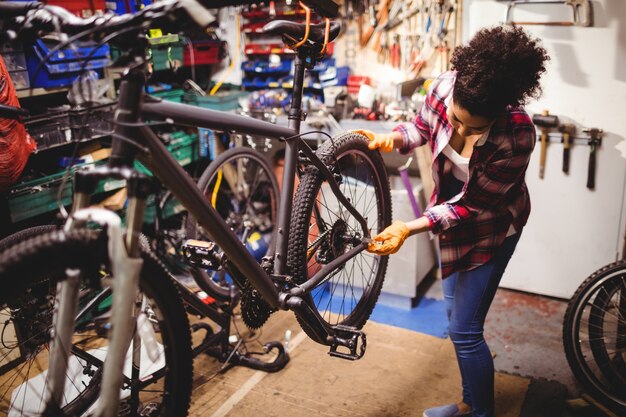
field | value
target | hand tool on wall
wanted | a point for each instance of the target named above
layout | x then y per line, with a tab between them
383	51
444	56
595	140
372	11
582	11
568	130
545	122
444	21
425	47
394	52
375	19
395	21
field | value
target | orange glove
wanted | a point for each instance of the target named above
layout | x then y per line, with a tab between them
382	141
389	240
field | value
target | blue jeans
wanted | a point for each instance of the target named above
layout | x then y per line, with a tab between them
468	296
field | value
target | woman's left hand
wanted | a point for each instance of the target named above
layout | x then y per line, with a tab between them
389	240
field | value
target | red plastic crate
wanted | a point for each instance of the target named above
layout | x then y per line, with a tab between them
82	8
356	81
267	49
204	52
256	27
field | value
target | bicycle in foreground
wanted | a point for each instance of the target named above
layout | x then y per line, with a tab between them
135	356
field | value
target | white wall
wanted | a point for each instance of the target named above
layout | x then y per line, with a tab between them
572	231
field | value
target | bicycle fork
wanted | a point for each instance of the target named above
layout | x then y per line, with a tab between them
126	263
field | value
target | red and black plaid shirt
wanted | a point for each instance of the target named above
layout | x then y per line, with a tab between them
473	224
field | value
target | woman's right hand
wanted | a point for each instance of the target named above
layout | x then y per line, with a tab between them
381	141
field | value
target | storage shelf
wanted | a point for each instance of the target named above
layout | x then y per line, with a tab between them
40	92
34	92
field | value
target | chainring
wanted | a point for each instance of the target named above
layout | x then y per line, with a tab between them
254	309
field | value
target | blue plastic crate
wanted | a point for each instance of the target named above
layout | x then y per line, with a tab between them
64	66
126	6
264	67
340	77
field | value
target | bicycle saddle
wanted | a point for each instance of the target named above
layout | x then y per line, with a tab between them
296	30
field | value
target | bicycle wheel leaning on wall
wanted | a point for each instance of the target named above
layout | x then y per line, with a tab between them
594	335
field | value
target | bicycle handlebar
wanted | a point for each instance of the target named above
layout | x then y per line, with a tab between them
35	17
14	9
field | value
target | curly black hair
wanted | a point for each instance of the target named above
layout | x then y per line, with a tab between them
500	66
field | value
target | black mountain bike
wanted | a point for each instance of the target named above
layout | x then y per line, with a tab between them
317	265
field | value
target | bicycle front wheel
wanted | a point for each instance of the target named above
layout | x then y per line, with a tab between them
29	272
322	229
594	335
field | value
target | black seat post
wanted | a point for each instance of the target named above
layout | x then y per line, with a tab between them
296	115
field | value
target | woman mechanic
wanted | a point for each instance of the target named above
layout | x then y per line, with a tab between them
481	140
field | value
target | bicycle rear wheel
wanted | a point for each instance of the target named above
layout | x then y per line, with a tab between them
594	335
322	229
242	187
163	387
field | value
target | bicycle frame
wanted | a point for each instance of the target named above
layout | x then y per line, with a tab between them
134	106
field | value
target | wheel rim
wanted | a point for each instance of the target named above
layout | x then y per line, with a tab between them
339	299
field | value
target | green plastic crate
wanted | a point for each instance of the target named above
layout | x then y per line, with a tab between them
32	198
176	95
222	100
182	145
172	207
166	52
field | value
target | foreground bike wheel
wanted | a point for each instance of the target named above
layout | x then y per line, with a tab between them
594	336
322	229
25	234
163	386
242	187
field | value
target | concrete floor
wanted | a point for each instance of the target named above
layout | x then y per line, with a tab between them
522	330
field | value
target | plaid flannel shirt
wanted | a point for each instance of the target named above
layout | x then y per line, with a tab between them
474	223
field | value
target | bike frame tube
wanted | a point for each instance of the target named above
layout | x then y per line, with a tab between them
134	107
289	171
176	179
185	114
161	162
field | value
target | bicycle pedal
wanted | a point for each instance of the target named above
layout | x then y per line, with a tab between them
201	254
348	337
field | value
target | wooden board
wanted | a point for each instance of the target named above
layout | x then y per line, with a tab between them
402	373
